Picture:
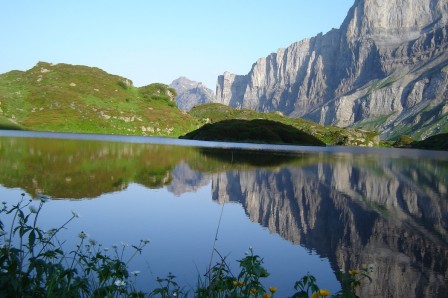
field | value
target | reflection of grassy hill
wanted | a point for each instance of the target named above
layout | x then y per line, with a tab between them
79	169
330	135
253	131
72	98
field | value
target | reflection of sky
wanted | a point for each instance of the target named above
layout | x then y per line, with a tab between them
182	231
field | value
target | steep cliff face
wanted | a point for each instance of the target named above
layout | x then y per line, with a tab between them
385	68
191	93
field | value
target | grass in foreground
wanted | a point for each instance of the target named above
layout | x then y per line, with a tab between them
34	264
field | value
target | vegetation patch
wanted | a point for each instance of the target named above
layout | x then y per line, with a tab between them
253	131
436	142
330	135
74	98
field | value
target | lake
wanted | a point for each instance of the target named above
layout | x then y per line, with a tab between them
303	209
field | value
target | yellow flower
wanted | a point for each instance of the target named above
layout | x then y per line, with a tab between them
253	291
272	290
321	293
353	272
238	283
267	295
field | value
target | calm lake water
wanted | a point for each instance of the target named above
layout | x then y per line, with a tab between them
303	209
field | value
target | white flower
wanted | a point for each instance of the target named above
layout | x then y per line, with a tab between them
371	267
114	246
83	235
124	244
120	283
135	273
43	198
75	214
33	209
51	232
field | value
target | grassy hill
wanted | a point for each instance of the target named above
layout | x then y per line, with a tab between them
77	98
330	135
260	131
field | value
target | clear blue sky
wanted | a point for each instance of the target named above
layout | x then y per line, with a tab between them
158	41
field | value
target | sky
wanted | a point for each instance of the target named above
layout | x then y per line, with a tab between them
159	40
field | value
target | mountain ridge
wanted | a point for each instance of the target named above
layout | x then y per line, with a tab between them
382	69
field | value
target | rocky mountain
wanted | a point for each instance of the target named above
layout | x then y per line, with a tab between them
385	68
191	93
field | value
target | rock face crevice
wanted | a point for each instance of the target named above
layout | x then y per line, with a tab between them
386	63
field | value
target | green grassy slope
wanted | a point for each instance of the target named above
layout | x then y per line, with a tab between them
330	135
253	131
77	98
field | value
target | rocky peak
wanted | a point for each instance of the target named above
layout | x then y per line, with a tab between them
191	93
385	65
390	21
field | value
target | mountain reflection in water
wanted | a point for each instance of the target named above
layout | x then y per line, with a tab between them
354	209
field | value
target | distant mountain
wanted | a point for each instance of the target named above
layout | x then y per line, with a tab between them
191	93
75	98
385	68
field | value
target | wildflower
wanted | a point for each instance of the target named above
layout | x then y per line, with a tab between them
371	267
273	290
114	246
75	214
253	291
145	241
124	244
135	273
353	272
83	235
120	283
92	242
43	198
51	232
267	295
4	203
238	283
106	249
320	293
4	270
33	209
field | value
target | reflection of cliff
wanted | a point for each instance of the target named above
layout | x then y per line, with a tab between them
187	180
393	213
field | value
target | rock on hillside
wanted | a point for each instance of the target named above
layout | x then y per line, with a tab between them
191	93
385	68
